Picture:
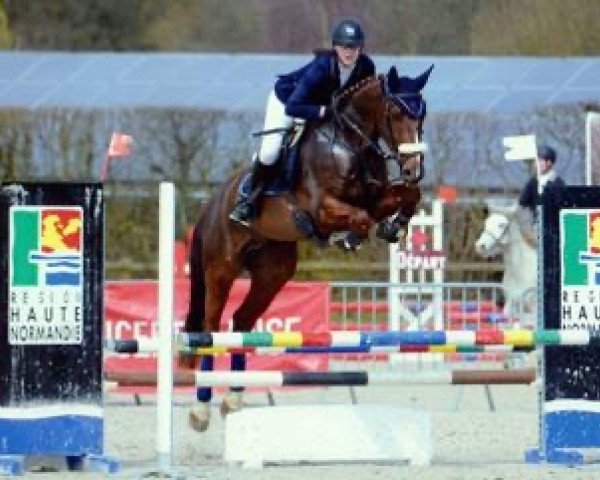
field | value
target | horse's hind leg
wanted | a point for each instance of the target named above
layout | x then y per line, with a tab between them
270	268
218	283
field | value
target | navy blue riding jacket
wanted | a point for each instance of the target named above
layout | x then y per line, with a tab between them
305	90
552	190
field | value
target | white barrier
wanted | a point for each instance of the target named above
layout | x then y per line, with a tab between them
328	433
166	253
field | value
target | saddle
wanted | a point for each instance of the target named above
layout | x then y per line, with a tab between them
286	165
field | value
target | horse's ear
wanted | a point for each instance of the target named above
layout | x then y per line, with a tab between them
422	79
393	80
405	84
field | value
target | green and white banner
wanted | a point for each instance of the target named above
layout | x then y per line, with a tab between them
46	276
580	267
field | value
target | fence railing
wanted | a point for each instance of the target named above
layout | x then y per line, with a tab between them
427	306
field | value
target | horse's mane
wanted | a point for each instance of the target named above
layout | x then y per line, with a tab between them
346	93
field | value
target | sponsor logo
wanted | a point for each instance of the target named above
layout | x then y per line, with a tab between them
46	275
580	268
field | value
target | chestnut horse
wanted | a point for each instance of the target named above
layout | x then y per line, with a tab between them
342	184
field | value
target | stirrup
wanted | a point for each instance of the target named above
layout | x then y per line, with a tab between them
240	216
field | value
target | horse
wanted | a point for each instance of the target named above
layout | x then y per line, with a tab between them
341	184
502	235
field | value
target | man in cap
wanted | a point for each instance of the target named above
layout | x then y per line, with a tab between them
549	184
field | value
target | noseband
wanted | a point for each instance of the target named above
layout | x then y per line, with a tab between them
496	240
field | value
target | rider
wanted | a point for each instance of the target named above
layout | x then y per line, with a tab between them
305	93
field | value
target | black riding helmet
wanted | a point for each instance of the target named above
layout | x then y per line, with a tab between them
348	33
547	153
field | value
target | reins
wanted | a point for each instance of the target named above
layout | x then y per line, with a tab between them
343	119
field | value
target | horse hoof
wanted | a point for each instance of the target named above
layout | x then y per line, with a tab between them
230	405
199	419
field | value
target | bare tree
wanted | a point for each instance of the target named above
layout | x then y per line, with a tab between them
65	143
15	144
181	142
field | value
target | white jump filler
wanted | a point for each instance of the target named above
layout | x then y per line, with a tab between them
328	433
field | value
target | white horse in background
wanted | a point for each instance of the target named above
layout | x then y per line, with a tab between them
502	235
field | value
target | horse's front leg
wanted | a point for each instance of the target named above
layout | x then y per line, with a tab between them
394	210
335	215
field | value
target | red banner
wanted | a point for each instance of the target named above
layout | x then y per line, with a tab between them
130	312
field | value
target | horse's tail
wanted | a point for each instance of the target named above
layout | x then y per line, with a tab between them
195	315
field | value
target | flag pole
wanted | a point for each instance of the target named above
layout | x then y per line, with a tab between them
105	165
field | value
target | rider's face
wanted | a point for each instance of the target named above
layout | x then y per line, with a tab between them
347	55
544	165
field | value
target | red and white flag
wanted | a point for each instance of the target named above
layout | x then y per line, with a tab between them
120	145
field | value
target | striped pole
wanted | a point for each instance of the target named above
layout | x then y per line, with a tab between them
373	349
150	345
517	338
345	378
137	345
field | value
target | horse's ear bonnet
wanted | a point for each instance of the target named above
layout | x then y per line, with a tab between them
405	92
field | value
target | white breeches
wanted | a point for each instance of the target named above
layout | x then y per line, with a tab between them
275	117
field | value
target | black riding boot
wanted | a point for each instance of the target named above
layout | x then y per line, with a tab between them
246	209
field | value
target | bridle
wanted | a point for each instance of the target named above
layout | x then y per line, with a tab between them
343	120
496	239
398	102
402	102
412	105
